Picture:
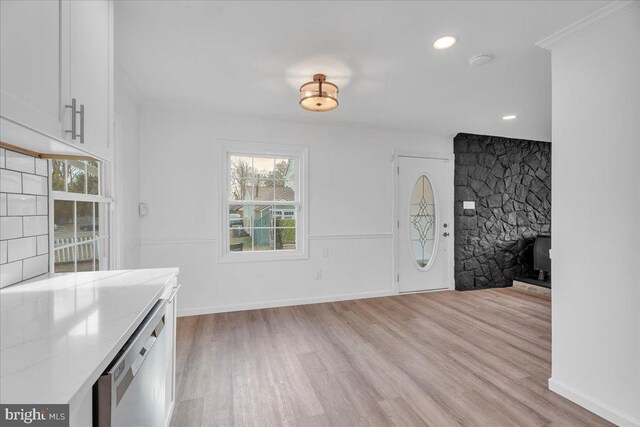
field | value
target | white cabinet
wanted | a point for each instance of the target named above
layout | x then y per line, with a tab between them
170	325
90	72
55	54
30	69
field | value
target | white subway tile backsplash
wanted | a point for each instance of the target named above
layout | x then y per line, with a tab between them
10	273
10	181
24	217
35	266
21	248
43	244
19	162
42	167
35	225
10	227
21	204
34	184
3	251
42	205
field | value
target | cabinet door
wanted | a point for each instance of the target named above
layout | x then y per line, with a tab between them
170	386
90	64
30	64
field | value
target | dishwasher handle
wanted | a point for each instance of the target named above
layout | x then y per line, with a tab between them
146	348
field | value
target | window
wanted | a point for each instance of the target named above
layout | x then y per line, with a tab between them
263	204
80	241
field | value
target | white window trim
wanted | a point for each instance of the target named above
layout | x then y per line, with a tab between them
255	149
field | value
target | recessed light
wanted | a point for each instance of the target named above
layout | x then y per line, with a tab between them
509	117
444	42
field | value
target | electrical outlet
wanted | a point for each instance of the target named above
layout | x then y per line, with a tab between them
318	275
325	253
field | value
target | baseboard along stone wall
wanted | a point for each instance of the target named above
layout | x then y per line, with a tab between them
509	180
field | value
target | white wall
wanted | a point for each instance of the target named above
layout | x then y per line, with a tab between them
127	172
350	208
596	219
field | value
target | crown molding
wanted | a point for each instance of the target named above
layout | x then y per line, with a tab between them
588	23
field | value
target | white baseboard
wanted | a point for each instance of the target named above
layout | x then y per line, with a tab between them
282	303
593	405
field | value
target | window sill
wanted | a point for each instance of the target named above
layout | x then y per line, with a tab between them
241	257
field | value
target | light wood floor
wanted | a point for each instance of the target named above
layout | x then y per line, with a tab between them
478	358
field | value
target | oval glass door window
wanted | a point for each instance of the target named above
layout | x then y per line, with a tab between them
422	222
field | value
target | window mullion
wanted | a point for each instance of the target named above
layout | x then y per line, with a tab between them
61	195
75	236
66	177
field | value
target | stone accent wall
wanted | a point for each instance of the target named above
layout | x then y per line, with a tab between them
510	182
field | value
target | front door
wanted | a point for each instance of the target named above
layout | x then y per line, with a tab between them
423	224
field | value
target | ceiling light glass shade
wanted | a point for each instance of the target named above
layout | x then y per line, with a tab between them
319	95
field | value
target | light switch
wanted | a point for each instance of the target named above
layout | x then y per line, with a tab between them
143	209
468	205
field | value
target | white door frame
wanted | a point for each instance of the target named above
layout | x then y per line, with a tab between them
396	218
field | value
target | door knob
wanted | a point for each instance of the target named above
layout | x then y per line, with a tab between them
445	234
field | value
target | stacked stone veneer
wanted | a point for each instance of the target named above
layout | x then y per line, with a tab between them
510	182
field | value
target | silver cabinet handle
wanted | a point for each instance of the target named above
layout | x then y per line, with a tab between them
81	123
73	132
74	129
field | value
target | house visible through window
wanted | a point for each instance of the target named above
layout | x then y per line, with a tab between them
80	240
262	213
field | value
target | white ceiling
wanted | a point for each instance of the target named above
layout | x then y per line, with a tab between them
251	57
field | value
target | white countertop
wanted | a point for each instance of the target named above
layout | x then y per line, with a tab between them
58	334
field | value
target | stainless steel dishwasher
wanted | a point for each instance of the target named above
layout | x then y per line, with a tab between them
131	392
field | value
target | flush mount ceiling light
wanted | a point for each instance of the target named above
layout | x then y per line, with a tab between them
444	42
319	95
509	117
